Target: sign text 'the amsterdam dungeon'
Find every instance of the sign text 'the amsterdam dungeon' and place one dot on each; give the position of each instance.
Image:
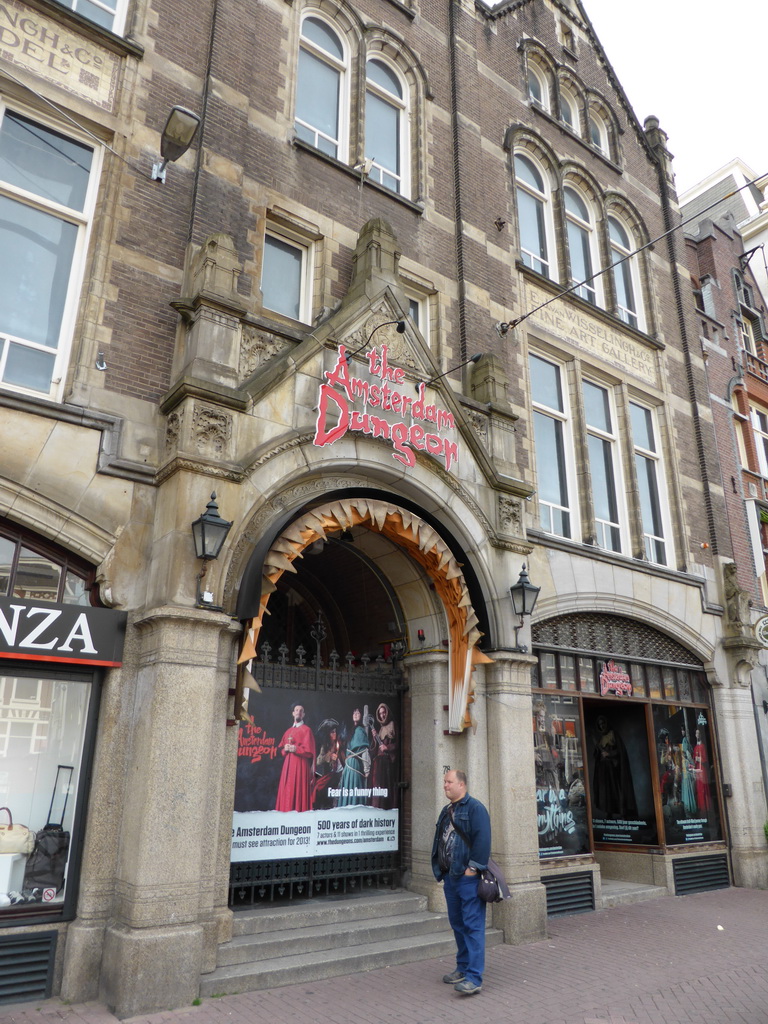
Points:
(426, 424)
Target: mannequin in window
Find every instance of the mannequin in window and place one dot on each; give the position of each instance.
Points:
(701, 767)
(613, 792)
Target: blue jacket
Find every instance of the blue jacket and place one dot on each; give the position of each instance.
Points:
(471, 817)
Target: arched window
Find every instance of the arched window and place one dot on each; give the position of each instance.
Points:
(31, 569)
(569, 110)
(537, 86)
(533, 213)
(581, 246)
(598, 133)
(626, 275)
(386, 125)
(321, 89)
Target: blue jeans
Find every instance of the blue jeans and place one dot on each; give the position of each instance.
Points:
(466, 913)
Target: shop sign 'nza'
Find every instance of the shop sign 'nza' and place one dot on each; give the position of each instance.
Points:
(424, 429)
(69, 633)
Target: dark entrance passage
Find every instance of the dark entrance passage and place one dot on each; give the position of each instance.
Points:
(319, 775)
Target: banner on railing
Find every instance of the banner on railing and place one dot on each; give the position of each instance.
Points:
(318, 774)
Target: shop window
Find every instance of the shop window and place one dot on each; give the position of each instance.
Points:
(386, 126)
(670, 684)
(534, 214)
(626, 275)
(638, 680)
(604, 466)
(653, 676)
(321, 91)
(109, 14)
(286, 277)
(551, 430)
(47, 195)
(687, 787)
(548, 671)
(582, 247)
(591, 749)
(587, 680)
(43, 725)
(650, 482)
(567, 672)
(560, 794)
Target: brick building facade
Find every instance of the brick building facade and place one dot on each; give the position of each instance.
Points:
(379, 192)
(731, 311)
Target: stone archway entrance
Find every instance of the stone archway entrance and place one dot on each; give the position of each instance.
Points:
(370, 582)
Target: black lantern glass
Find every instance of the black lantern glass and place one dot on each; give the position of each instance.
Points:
(210, 531)
(524, 596)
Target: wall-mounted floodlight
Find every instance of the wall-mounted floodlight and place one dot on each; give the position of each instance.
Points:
(179, 131)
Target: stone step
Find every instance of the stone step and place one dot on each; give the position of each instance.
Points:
(617, 893)
(269, 946)
(332, 962)
(326, 911)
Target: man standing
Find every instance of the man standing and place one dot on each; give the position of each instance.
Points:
(460, 851)
(298, 749)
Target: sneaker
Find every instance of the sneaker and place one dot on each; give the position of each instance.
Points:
(453, 978)
(15, 897)
(467, 988)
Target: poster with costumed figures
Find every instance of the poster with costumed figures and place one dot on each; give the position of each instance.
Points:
(317, 774)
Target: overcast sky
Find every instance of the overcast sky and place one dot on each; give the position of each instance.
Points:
(700, 67)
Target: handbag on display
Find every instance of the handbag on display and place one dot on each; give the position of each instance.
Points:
(492, 887)
(15, 838)
(47, 864)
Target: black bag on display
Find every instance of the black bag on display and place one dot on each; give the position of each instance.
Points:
(48, 861)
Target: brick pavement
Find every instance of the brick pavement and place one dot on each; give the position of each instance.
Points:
(665, 961)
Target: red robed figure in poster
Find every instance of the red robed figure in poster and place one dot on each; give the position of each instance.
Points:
(298, 749)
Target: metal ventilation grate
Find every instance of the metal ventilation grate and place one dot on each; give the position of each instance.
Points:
(611, 635)
(26, 966)
(570, 894)
(700, 874)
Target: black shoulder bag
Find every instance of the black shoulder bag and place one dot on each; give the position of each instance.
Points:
(492, 885)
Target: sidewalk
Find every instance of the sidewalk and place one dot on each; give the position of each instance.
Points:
(692, 960)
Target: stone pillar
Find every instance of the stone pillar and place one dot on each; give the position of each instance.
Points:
(169, 907)
(432, 753)
(513, 796)
(740, 766)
